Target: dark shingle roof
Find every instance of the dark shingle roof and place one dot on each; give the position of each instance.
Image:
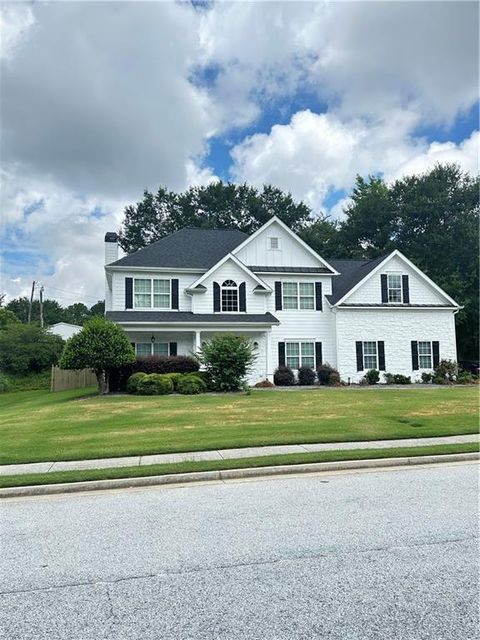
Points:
(187, 316)
(187, 249)
(389, 305)
(260, 269)
(351, 272)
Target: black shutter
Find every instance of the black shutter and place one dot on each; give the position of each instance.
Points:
(414, 355)
(359, 348)
(278, 296)
(318, 354)
(281, 354)
(436, 354)
(216, 296)
(406, 290)
(318, 296)
(383, 279)
(381, 355)
(128, 293)
(172, 348)
(174, 293)
(243, 297)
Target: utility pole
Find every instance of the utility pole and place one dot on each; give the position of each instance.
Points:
(31, 302)
(41, 306)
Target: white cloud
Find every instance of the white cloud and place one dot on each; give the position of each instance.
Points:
(15, 21)
(315, 154)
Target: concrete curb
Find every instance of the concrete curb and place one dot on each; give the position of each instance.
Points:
(233, 474)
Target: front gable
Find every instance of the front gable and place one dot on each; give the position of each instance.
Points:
(275, 245)
(415, 288)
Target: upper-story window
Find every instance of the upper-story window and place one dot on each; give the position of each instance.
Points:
(394, 284)
(274, 243)
(229, 296)
(298, 295)
(150, 293)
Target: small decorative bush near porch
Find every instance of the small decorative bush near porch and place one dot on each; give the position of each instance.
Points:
(427, 377)
(151, 364)
(227, 358)
(327, 374)
(134, 379)
(190, 384)
(397, 378)
(306, 376)
(447, 369)
(284, 377)
(372, 376)
(154, 384)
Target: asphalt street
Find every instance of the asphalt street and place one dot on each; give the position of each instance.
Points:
(348, 556)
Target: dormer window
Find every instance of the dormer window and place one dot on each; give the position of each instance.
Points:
(274, 243)
(229, 296)
(394, 283)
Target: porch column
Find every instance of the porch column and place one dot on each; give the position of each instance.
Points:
(198, 342)
(268, 357)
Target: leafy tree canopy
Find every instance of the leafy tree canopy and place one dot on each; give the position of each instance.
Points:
(101, 345)
(7, 317)
(28, 349)
(53, 312)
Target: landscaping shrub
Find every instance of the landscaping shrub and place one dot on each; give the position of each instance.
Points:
(227, 358)
(372, 376)
(191, 384)
(264, 384)
(463, 377)
(447, 369)
(206, 376)
(151, 364)
(325, 372)
(4, 383)
(134, 379)
(427, 377)
(174, 377)
(283, 377)
(334, 379)
(306, 376)
(389, 378)
(439, 380)
(154, 384)
(398, 378)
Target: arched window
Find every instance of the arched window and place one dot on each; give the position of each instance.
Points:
(229, 296)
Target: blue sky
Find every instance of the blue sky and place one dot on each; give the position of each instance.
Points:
(102, 100)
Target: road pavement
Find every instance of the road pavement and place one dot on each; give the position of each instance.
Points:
(348, 556)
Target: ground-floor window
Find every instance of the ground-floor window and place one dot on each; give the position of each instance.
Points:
(370, 355)
(425, 355)
(300, 354)
(151, 349)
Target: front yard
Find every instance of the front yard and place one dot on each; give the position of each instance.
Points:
(41, 426)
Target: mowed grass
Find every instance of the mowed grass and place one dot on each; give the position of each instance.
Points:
(70, 425)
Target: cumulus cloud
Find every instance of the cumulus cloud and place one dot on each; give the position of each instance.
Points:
(317, 154)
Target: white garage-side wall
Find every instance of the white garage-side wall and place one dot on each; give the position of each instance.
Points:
(396, 328)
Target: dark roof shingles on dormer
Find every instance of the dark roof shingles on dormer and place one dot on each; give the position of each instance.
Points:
(351, 273)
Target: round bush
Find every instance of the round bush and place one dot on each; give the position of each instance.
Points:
(174, 377)
(133, 381)
(283, 377)
(372, 376)
(325, 372)
(306, 376)
(334, 379)
(191, 384)
(154, 384)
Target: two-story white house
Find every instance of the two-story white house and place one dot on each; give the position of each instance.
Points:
(296, 307)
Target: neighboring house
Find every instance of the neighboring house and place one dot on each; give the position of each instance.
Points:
(297, 308)
(64, 329)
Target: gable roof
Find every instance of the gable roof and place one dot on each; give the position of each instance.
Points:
(301, 242)
(351, 273)
(188, 248)
(239, 264)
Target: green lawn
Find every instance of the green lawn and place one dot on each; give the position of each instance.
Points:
(239, 463)
(69, 425)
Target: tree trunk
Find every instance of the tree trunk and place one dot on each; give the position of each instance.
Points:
(102, 382)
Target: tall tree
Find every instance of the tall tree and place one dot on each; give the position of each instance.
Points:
(52, 310)
(218, 205)
(76, 313)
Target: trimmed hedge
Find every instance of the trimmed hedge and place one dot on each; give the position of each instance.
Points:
(306, 376)
(284, 377)
(191, 384)
(327, 374)
(134, 379)
(151, 364)
(154, 384)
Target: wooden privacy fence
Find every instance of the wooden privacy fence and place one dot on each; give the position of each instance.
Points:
(63, 379)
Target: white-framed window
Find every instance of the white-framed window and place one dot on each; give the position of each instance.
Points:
(394, 285)
(298, 295)
(151, 293)
(300, 354)
(425, 355)
(274, 243)
(229, 296)
(152, 349)
(370, 355)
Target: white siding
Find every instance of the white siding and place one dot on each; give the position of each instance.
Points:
(203, 302)
(118, 286)
(185, 340)
(290, 254)
(397, 328)
(420, 291)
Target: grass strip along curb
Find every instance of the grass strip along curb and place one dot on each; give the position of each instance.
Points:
(35, 479)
